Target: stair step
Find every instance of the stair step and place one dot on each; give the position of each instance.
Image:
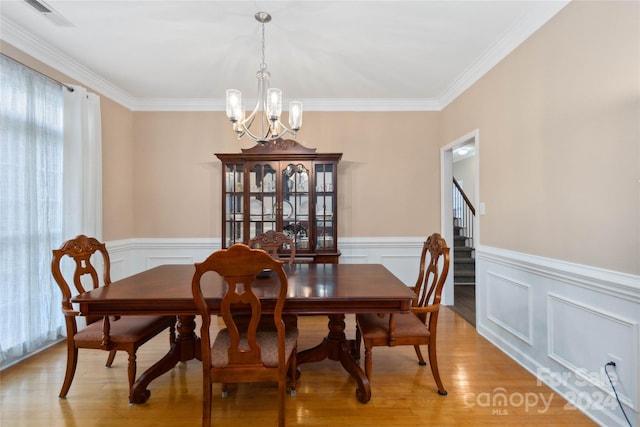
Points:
(465, 266)
(464, 280)
(463, 248)
(462, 252)
(464, 274)
(464, 263)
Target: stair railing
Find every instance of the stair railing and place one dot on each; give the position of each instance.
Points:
(463, 212)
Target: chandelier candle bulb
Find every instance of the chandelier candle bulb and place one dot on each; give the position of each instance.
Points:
(274, 104)
(234, 104)
(295, 115)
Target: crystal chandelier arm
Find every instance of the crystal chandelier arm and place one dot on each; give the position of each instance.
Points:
(269, 135)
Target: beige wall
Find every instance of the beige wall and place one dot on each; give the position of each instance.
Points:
(176, 178)
(117, 171)
(389, 173)
(388, 178)
(559, 139)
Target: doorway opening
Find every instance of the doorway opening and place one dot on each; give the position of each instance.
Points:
(460, 195)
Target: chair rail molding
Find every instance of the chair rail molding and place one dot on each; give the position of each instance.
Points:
(401, 255)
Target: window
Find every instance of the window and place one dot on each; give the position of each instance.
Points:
(31, 159)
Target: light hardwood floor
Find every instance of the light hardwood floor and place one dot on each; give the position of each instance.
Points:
(403, 393)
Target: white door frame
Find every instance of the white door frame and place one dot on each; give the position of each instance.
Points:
(446, 200)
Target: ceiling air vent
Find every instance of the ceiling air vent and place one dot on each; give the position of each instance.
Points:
(49, 13)
(40, 7)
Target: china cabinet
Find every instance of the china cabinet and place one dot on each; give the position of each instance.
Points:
(282, 186)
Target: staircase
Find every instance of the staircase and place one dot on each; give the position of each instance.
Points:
(464, 263)
(464, 266)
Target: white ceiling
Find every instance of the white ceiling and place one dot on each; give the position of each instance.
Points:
(332, 55)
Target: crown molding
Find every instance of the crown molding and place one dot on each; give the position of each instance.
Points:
(35, 47)
(370, 104)
(520, 31)
(174, 104)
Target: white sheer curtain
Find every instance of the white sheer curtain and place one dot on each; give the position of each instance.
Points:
(50, 191)
(31, 147)
(82, 164)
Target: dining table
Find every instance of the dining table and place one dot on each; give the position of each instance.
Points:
(313, 289)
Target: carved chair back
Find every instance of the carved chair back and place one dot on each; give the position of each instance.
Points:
(241, 352)
(273, 242)
(434, 268)
(85, 252)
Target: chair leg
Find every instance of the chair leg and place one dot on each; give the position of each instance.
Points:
(421, 361)
(368, 360)
(282, 388)
(225, 390)
(206, 403)
(132, 370)
(112, 356)
(72, 362)
(293, 371)
(433, 361)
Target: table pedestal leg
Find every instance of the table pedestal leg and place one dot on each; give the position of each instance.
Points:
(185, 347)
(336, 347)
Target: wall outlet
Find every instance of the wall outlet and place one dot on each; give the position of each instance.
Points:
(615, 359)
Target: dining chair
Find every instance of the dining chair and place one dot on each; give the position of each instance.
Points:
(417, 327)
(251, 354)
(273, 242)
(112, 334)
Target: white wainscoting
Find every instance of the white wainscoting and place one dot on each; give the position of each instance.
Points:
(563, 322)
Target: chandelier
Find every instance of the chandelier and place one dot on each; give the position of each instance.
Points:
(266, 113)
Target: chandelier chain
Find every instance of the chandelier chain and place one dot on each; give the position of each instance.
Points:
(263, 65)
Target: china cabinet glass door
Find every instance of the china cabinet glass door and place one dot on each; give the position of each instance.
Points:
(234, 203)
(295, 203)
(262, 198)
(325, 206)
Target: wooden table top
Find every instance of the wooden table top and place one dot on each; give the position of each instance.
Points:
(313, 289)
